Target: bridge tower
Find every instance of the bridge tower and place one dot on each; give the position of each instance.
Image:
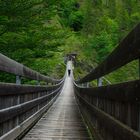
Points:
(71, 57)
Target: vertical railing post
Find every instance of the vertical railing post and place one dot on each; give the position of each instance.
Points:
(18, 82)
(139, 68)
(87, 84)
(99, 82)
(38, 83)
(139, 105)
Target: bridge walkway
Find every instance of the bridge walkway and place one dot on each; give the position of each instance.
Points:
(63, 121)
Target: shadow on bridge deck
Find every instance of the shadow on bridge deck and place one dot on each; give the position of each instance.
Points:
(63, 120)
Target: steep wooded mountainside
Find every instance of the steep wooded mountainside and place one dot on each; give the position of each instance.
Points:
(39, 33)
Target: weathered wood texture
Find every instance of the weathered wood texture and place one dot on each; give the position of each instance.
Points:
(19, 102)
(63, 121)
(127, 50)
(12, 89)
(114, 110)
(11, 66)
(122, 92)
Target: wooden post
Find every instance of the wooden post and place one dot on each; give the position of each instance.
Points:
(139, 119)
(38, 83)
(88, 85)
(18, 80)
(99, 82)
(139, 67)
(139, 105)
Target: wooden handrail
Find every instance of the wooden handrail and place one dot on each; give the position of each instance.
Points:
(127, 51)
(13, 67)
(13, 89)
(8, 113)
(112, 107)
(124, 92)
(20, 102)
(111, 125)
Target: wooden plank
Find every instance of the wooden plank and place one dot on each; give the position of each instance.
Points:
(11, 66)
(9, 113)
(120, 130)
(63, 120)
(127, 92)
(24, 126)
(13, 89)
(127, 51)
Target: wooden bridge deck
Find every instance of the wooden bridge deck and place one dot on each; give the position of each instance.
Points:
(63, 121)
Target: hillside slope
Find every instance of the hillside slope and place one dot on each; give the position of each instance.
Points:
(39, 33)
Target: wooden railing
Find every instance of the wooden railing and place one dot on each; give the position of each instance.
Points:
(127, 51)
(22, 105)
(113, 112)
(11, 66)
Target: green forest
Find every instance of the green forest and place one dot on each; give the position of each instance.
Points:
(39, 33)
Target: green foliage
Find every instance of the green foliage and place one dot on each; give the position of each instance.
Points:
(28, 34)
(101, 44)
(76, 20)
(105, 24)
(70, 14)
(38, 33)
(127, 73)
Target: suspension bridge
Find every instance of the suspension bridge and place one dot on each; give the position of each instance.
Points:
(66, 109)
